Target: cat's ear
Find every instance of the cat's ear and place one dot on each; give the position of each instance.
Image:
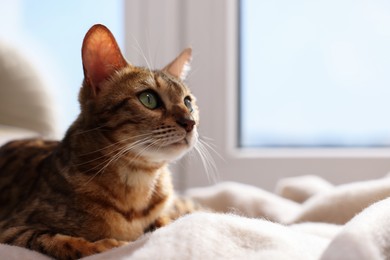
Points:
(180, 67)
(101, 56)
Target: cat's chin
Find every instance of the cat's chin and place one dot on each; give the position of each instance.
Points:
(171, 152)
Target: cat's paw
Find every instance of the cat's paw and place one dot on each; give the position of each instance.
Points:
(75, 248)
(100, 246)
(162, 221)
(106, 244)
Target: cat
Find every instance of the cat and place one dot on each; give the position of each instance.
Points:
(107, 181)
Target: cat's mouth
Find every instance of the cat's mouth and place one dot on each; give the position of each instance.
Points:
(184, 141)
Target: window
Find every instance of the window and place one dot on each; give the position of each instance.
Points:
(161, 29)
(314, 73)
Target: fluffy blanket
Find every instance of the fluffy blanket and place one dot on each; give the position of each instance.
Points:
(306, 218)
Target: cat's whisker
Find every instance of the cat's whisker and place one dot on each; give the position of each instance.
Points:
(115, 157)
(148, 47)
(142, 54)
(135, 145)
(128, 149)
(88, 130)
(100, 157)
(212, 173)
(135, 158)
(157, 148)
(206, 138)
(116, 143)
(207, 161)
(102, 163)
(116, 151)
(98, 172)
(157, 50)
(97, 158)
(211, 146)
(140, 153)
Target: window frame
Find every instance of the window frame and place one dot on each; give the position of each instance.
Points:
(215, 82)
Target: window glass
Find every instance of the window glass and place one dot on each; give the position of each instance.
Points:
(314, 73)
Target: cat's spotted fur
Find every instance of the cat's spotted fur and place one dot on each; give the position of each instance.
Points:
(107, 181)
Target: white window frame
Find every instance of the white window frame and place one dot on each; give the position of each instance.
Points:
(211, 28)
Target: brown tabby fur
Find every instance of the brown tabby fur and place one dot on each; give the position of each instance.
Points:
(107, 181)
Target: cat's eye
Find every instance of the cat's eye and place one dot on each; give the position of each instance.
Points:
(187, 102)
(149, 99)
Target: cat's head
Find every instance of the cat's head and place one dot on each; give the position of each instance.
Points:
(151, 113)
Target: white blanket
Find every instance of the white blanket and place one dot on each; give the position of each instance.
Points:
(306, 218)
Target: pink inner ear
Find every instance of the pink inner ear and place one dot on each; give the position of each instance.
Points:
(180, 66)
(101, 56)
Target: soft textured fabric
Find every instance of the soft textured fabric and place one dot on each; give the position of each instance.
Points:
(301, 188)
(362, 210)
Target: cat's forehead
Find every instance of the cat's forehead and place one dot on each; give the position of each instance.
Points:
(159, 81)
(169, 85)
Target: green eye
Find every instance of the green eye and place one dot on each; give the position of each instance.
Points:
(148, 99)
(187, 102)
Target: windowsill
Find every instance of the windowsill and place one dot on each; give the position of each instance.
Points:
(326, 153)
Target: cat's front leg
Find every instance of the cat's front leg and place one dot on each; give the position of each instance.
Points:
(54, 244)
(180, 207)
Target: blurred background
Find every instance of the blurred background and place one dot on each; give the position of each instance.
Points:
(50, 35)
(285, 88)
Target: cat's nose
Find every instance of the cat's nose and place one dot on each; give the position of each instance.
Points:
(186, 123)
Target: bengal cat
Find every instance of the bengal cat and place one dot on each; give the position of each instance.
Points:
(107, 181)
